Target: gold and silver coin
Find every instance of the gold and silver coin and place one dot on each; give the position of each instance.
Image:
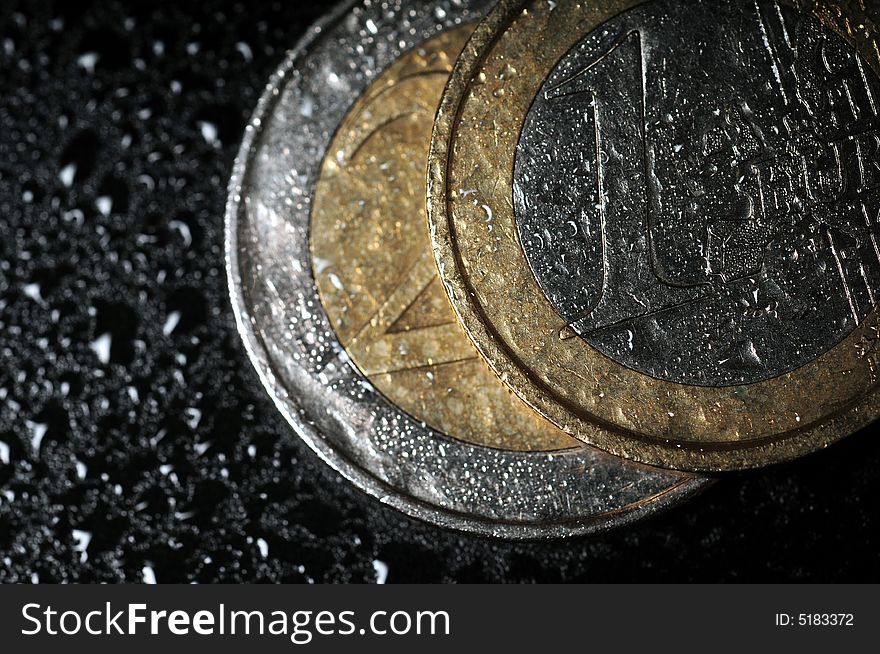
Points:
(345, 318)
(658, 220)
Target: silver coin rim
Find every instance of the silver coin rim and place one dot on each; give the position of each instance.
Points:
(360, 477)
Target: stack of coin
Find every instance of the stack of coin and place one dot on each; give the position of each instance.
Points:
(656, 222)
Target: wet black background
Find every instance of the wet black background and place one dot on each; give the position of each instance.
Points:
(183, 461)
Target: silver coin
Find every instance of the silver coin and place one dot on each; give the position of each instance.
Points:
(289, 339)
(696, 190)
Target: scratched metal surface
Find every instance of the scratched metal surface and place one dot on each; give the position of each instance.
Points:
(727, 232)
(234, 496)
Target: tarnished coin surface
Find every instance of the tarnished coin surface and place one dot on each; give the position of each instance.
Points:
(375, 271)
(659, 220)
(342, 312)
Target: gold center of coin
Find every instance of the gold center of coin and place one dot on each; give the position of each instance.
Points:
(376, 275)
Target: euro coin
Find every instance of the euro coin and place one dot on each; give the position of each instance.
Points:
(344, 316)
(658, 220)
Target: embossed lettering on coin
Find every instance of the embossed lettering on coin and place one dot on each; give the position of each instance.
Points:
(697, 190)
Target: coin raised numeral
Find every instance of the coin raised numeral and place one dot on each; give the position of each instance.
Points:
(633, 284)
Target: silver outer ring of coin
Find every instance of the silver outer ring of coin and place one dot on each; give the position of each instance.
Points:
(290, 342)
